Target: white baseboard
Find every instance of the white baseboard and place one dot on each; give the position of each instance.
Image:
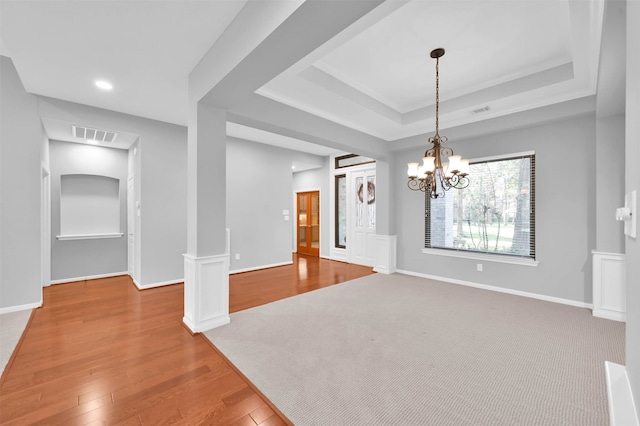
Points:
(18, 308)
(501, 289)
(622, 410)
(158, 284)
(255, 268)
(90, 277)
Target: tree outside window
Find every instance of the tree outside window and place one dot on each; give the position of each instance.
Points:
(494, 214)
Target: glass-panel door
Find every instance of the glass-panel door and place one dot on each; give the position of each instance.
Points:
(363, 223)
(308, 217)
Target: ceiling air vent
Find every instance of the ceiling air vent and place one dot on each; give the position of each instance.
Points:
(93, 134)
(479, 110)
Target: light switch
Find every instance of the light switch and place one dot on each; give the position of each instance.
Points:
(285, 213)
(628, 214)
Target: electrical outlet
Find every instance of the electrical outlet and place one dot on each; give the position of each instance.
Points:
(237, 256)
(479, 267)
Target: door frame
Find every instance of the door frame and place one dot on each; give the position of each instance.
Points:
(45, 223)
(295, 217)
(364, 172)
(335, 253)
(131, 225)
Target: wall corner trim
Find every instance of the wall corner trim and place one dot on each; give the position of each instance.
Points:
(622, 410)
(18, 308)
(87, 278)
(256, 268)
(157, 284)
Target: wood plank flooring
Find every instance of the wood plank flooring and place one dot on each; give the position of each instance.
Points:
(104, 352)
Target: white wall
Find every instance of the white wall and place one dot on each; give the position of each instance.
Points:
(21, 152)
(74, 259)
(632, 182)
(565, 212)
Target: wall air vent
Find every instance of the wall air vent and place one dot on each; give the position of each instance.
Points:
(93, 135)
(479, 110)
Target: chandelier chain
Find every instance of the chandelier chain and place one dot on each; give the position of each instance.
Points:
(437, 95)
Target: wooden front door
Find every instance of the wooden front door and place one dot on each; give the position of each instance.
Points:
(308, 223)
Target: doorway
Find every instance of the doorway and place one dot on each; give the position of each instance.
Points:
(362, 223)
(45, 223)
(308, 222)
(131, 226)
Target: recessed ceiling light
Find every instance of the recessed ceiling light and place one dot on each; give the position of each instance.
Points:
(104, 85)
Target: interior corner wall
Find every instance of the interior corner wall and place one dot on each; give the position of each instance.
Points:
(76, 259)
(259, 182)
(317, 179)
(134, 167)
(163, 202)
(21, 139)
(609, 170)
(565, 212)
(163, 184)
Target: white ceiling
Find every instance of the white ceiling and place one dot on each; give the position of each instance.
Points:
(376, 77)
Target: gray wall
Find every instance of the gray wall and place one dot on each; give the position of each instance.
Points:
(565, 212)
(609, 168)
(21, 137)
(84, 258)
(162, 181)
(317, 179)
(259, 188)
(632, 182)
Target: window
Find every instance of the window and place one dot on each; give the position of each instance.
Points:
(495, 214)
(352, 160)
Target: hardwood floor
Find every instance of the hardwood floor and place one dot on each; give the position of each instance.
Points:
(104, 352)
(307, 273)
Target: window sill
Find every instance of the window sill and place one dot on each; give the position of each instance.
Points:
(89, 236)
(482, 256)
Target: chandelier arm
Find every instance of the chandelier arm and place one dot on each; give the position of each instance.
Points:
(437, 95)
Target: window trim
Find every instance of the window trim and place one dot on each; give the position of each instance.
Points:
(491, 257)
(488, 257)
(336, 237)
(344, 157)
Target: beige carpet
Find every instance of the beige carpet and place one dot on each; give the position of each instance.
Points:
(401, 350)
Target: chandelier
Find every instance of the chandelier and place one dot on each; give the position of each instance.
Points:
(433, 176)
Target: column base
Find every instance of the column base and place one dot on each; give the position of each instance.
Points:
(206, 292)
(385, 260)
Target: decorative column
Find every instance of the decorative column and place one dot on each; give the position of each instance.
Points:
(385, 242)
(206, 263)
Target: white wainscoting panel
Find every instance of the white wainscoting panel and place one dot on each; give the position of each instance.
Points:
(206, 292)
(385, 256)
(609, 281)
